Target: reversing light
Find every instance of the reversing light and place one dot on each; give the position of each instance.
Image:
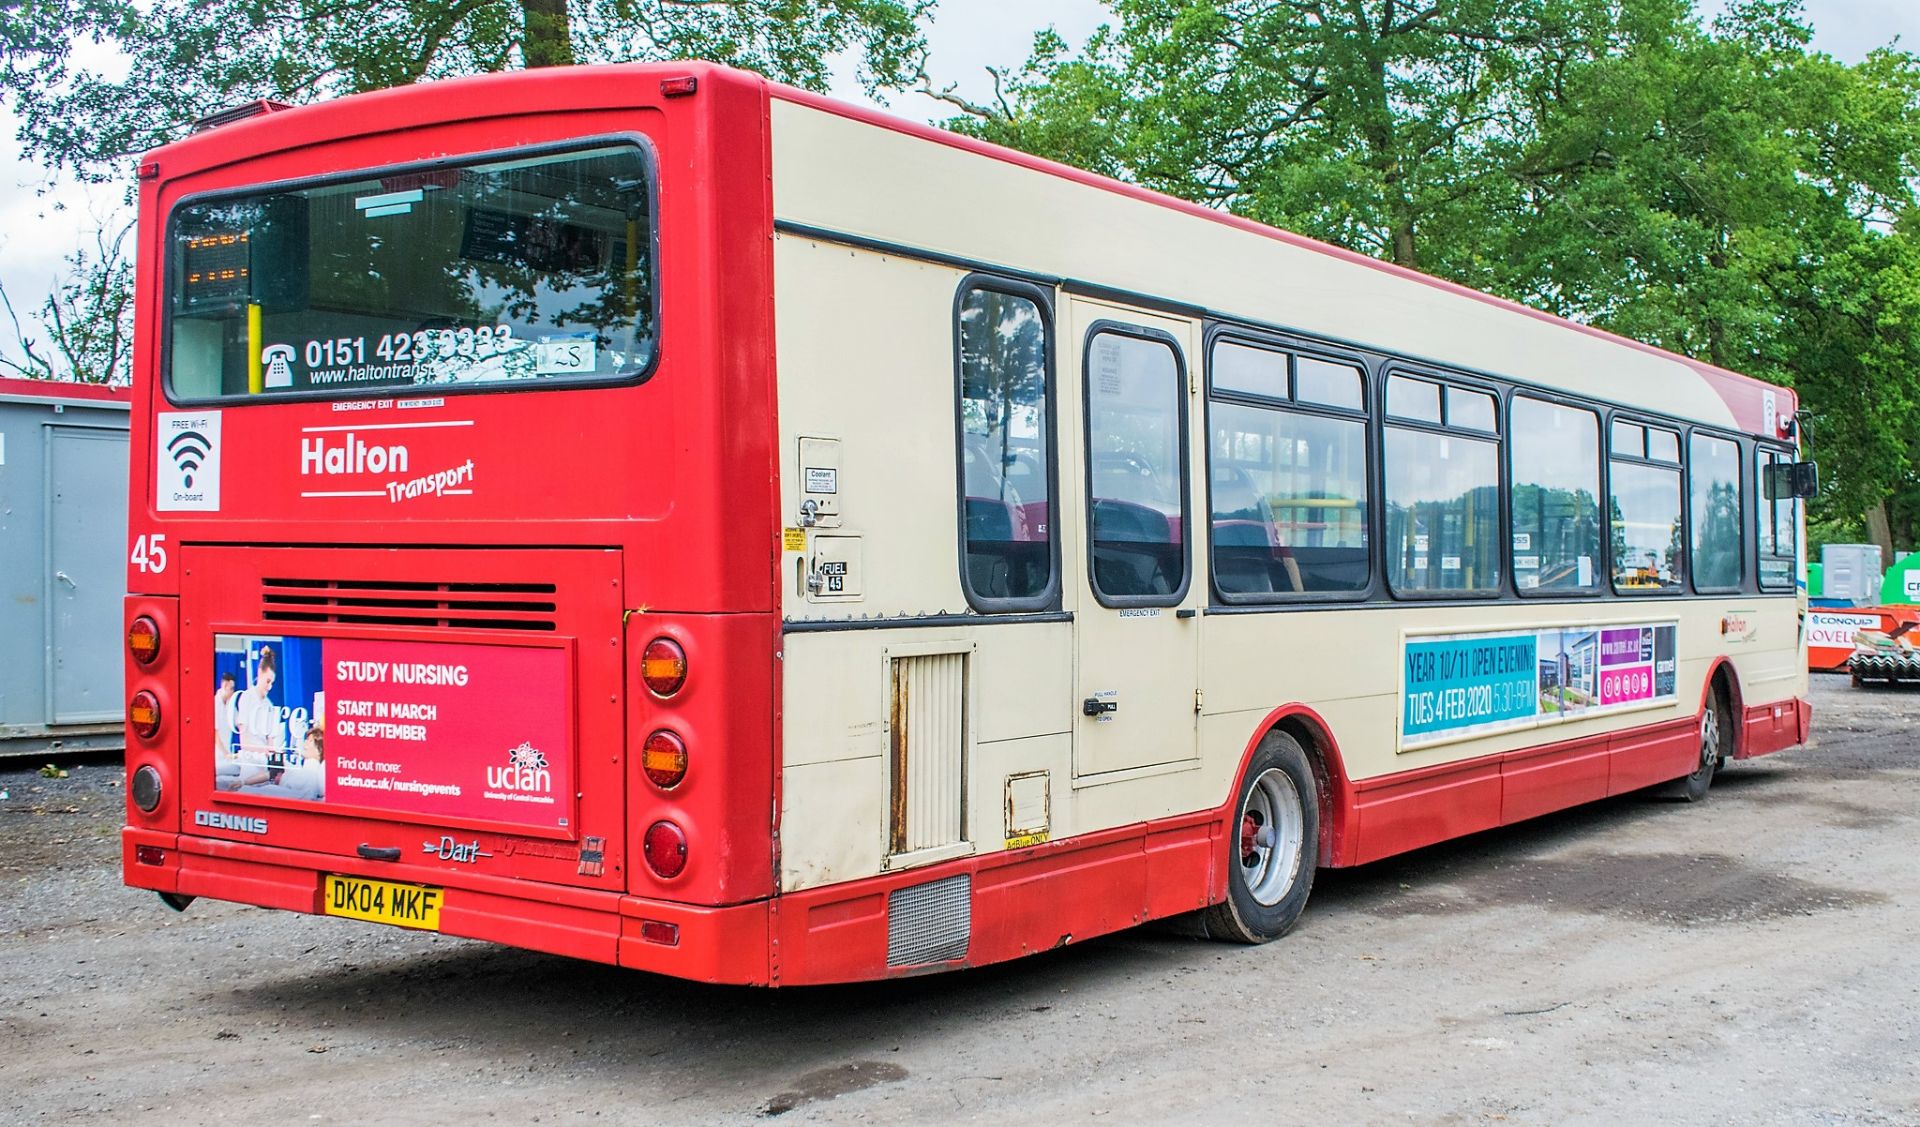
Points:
(663, 666)
(143, 640)
(143, 714)
(665, 848)
(664, 759)
(145, 789)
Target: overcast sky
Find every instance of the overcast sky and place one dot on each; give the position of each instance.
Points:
(43, 219)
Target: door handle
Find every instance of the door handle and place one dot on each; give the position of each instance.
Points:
(1094, 706)
(67, 579)
(379, 852)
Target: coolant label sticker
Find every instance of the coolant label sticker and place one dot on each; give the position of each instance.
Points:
(187, 473)
(424, 729)
(1460, 685)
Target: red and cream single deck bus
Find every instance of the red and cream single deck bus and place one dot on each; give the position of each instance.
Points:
(654, 516)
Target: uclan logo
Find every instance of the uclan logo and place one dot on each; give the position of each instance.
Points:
(525, 770)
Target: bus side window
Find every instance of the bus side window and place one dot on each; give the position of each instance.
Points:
(1442, 489)
(1287, 466)
(1645, 509)
(1556, 497)
(1135, 454)
(1713, 473)
(1006, 449)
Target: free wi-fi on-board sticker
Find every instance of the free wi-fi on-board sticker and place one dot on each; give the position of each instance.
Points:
(187, 477)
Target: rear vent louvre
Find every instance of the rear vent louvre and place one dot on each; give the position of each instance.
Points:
(483, 606)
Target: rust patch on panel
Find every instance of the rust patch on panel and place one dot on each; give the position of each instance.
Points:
(897, 713)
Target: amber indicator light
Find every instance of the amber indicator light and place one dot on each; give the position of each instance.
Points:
(143, 714)
(143, 640)
(664, 759)
(663, 666)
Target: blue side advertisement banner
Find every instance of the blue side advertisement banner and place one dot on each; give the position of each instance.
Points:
(1460, 685)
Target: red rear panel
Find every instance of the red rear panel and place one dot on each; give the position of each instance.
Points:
(469, 706)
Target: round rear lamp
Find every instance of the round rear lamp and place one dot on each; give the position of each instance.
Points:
(145, 789)
(663, 666)
(143, 714)
(664, 759)
(143, 640)
(665, 848)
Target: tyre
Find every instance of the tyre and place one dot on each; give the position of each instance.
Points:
(1716, 731)
(1274, 846)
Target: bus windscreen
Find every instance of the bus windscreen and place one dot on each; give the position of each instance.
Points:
(533, 268)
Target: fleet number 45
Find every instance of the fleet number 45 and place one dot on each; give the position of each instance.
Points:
(150, 553)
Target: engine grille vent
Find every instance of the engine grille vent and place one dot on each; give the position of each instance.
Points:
(930, 923)
(488, 606)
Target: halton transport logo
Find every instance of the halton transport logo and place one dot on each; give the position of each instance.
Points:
(524, 774)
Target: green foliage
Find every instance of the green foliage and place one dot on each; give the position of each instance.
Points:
(188, 58)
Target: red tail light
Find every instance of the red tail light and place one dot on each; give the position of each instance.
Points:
(665, 848)
(143, 640)
(143, 714)
(664, 758)
(149, 855)
(663, 666)
(145, 788)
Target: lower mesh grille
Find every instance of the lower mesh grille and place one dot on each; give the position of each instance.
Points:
(929, 923)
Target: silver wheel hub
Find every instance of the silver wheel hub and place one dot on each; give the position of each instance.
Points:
(1710, 738)
(1272, 837)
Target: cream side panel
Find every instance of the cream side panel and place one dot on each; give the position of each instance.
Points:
(836, 767)
(901, 189)
(865, 349)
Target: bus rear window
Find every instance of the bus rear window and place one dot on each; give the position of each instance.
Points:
(533, 269)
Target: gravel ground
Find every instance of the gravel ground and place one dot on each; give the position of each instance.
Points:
(1750, 960)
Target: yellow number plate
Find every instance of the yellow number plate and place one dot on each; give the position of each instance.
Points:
(383, 902)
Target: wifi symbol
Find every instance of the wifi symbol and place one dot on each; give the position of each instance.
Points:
(189, 450)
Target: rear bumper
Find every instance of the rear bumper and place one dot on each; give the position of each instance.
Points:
(713, 944)
(1020, 902)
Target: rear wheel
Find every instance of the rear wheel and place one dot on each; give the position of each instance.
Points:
(1274, 848)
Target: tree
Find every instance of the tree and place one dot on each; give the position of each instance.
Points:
(188, 58)
(1369, 123)
(85, 324)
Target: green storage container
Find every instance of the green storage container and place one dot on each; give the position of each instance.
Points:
(1902, 585)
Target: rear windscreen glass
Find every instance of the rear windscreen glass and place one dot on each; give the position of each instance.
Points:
(531, 269)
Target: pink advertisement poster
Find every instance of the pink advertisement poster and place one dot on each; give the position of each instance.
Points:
(1626, 665)
(425, 729)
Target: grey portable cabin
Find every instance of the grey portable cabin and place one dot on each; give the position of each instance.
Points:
(63, 566)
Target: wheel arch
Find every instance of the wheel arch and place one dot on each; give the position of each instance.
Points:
(1338, 820)
(1725, 676)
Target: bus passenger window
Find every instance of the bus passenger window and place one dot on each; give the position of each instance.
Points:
(1005, 450)
(1135, 453)
(1644, 513)
(1288, 485)
(1443, 494)
(1556, 497)
(1714, 474)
